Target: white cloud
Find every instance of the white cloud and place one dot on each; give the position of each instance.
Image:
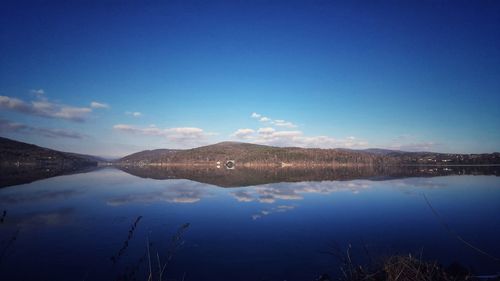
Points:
(275, 122)
(134, 113)
(283, 123)
(96, 105)
(44, 108)
(186, 133)
(329, 142)
(243, 133)
(52, 110)
(266, 131)
(296, 138)
(7, 126)
(182, 135)
(286, 134)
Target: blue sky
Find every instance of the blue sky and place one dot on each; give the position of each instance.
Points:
(411, 75)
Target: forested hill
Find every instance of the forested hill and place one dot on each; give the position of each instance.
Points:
(16, 153)
(256, 155)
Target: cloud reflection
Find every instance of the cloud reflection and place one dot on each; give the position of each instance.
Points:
(60, 216)
(38, 196)
(278, 209)
(294, 191)
(184, 192)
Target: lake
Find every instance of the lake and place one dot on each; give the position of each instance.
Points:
(244, 225)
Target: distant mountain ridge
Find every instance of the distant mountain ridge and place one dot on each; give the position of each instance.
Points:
(24, 154)
(248, 154)
(22, 163)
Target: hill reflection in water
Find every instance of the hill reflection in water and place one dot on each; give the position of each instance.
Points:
(243, 176)
(273, 225)
(249, 176)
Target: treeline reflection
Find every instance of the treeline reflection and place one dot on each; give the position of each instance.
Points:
(252, 176)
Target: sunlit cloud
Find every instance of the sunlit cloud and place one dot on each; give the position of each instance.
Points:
(44, 108)
(7, 126)
(273, 122)
(275, 134)
(283, 123)
(243, 133)
(182, 135)
(296, 138)
(266, 131)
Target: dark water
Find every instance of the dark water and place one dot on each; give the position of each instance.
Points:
(95, 225)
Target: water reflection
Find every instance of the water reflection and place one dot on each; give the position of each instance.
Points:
(270, 193)
(277, 209)
(38, 195)
(272, 225)
(60, 216)
(249, 177)
(242, 176)
(12, 175)
(179, 191)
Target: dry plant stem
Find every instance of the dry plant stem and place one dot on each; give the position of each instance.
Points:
(149, 259)
(453, 233)
(159, 266)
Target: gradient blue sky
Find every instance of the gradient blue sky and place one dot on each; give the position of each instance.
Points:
(412, 75)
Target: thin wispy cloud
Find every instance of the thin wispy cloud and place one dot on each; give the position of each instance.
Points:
(283, 123)
(269, 211)
(412, 143)
(274, 122)
(44, 108)
(97, 105)
(136, 114)
(38, 93)
(182, 135)
(7, 126)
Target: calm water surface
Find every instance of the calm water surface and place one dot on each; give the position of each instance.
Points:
(81, 226)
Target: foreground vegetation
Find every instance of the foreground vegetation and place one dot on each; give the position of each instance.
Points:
(405, 268)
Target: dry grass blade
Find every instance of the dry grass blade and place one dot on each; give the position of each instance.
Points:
(454, 234)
